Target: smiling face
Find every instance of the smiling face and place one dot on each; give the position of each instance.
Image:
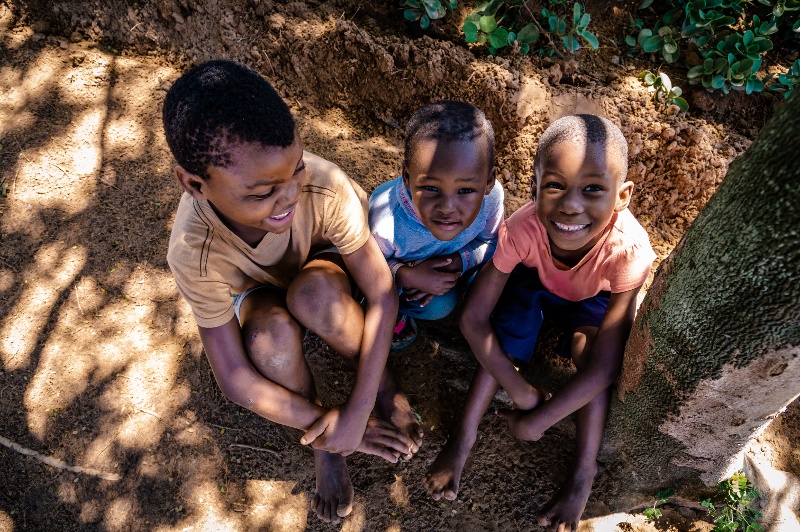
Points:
(579, 187)
(448, 180)
(255, 195)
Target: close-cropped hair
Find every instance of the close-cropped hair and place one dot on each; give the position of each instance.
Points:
(448, 121)
(584, 129)
(218, 104)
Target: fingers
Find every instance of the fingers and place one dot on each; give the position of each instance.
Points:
(379, 451)
(314, 431)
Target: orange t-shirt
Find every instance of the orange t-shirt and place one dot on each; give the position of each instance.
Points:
(620, 261)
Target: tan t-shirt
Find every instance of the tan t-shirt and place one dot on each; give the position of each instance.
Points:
(210, 263)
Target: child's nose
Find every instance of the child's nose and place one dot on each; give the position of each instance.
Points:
(446, 205)
(571, 202)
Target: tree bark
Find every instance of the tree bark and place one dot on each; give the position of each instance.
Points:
(713, 354)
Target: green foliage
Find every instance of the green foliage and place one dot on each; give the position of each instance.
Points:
(500, 24)
(427, 10)
(661, 87)
(652, 514)
(735, 513)
(730, 41)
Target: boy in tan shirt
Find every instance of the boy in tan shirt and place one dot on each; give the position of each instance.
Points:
(270, 241)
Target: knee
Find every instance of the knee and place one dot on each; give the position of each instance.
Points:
(582, 339)
(317, 301)
(273, 342)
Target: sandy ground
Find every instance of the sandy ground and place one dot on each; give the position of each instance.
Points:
(101, 366)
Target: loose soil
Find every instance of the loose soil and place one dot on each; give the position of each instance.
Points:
(101, 364)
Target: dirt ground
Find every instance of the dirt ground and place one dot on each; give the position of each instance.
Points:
(102, 367)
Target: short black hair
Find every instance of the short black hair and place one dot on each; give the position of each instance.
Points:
(220, 103)
(448, 121)
(584, 129)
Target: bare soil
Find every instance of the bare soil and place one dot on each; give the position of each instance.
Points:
(102, 367)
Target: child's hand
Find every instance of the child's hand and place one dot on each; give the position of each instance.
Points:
(532, 398)
(521, 424)
(336, 432)
(384, 439)
(412, 294)
(428, 276)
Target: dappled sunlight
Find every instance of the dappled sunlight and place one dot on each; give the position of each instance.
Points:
(118, 513)
(56, 268)
(273, 507)
(19, 91)
(209, 512)
(357, 520)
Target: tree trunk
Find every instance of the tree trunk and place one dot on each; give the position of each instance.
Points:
(713, 354)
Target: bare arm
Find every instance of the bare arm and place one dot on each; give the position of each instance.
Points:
(341, 427)
(244, 385)
(600, 371)
(477, 329)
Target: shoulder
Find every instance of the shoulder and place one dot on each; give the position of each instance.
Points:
(629, 233)
(323, 175)
(525, 216)
(385, 193)
(190, 230)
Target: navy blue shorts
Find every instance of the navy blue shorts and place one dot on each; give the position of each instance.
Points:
(525, 303)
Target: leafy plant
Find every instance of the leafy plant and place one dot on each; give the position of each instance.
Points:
(427, 10)
(731, 41)
(510, 23)
(652, 514)
(787, 82)
(736, 511)
(661, 87)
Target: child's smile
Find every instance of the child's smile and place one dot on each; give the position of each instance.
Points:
(448, 181)
(577, 194)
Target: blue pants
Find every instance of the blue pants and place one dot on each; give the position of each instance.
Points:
(525, 302)
(439, 306)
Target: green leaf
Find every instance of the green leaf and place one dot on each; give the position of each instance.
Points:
(434, 8)
(649, 78)
(630, 41)
(552, 20)
(653, 44)
(470, 32)
(643, 35)
(411, 14)
(424, 22)
(412, 3)
(670, 47)
(590, 39)
(528, 34)
(524, 49)
(488, 23)
(570, 42)
(576, 14)
(748, 37)
(753, 85)
(511, 37)
(681, 103)
(695, 72)
(666, 81)
(499, 38)
(585, 20)
(717, 81)
(644, 4)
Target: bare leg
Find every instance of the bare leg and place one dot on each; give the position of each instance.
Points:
(444, 474)
(274, 343)
(564, 510)
(321, 298)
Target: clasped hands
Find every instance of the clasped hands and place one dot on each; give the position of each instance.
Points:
(344, 432)
(431, 277)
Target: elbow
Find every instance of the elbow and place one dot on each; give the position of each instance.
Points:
(235, 389)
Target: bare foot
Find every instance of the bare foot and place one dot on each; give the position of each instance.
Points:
(563, 512)
(334, 497)
(392, 405)
(444, 474)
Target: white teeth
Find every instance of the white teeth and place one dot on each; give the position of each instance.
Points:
(567, 227)
(280, 216)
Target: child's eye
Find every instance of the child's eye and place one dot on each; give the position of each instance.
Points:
(556, 186)
(593, 188)
(466, 190)
(429, 188)
(258, 197)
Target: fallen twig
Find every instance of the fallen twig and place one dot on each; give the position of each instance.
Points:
(243, 446)
(55, 462)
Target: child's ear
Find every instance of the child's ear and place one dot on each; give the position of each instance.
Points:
(191, 183)
(491, 180)
(624, 197)
(405, 177)
(533, 187)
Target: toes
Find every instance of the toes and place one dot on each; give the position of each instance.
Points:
(450, 495)
(344, 508)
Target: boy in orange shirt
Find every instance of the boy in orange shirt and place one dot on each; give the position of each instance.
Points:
(575, 253)
(270, 241)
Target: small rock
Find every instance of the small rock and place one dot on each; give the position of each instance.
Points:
(64, 44)
(41, 26)
(76, 37)
(615, 59)
(178, 18)
(702, 100)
